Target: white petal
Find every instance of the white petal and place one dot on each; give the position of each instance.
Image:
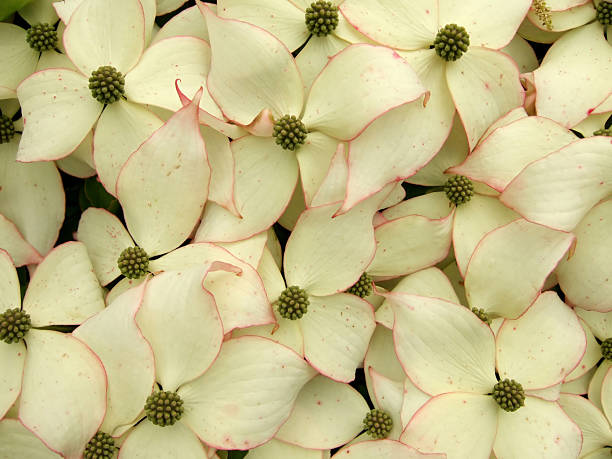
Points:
(485, 85)
(14, 243)
(443, 347)
(38, 11)
(333, 186)
(414, 399)
(337, 330)
(164, 184)
(559, 190)
(315, 55)
(502, 288)
(261, 74)
(332, 411)
(381, 358)
(275, 449)
(579, 386)
(542, 346)
(591, 356)
(188, 22)
(440, 426)
(9, 283)
(595, 427)
(600, 323)
(314, 158)
(127, 358)
(368, 91)
(237, 389)
(58, 111)
(63, 396)
(594, 390)
(539, 428)
(16, 439)
(19, 60)
(521, 51)
(606, 395)
(12, 357)
(383, 448)
(80, 162)
(389, 397)
(148, 441)
(110, 33)
(248, 250)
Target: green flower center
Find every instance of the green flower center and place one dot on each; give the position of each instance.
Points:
(378, 424)
(459, 189)
(482, 315)
(606, 349)
(293, 303)
(14, 324)
(101, 446)
(42, 37)
(7, 129)
(289, 132)
(133, 262)
(604, 13)
(451, 42)
(321, 18)
(164, 408)
(363, 287)
(106, 84)
(604, 131)
(542, 11)
(509, 395)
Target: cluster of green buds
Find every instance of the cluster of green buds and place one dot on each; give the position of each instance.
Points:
(7, 129)
(164, 408)
(542, 11)
(14, 324)
(133, 262)
(321, 18)
(293, 303)
(482, 315)
(106, 84)
(604, 13)
(603, 131)
(509, 395)
(42, 37)
(289, 132)
(101, 446)
(363, 287)
(451, 42)
(459, 189)
(606, 348)
(378, 424)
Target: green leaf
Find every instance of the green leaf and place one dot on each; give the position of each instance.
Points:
(8, 7)
(96, 196)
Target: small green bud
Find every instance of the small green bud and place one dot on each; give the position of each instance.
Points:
(7, 129)
(42, 37)
(482, 315)
(289, 132)
(604, 13)
(459, 189)
(101, 446)
(451, 42)
(363, 287)
(293, 303)
(606, 349)
(321, 18)
(378, 424)
(14, 324)
(106, 84)
(133, 262)
(509, 395)
(604, 131)
(164, 408)
(542, 11)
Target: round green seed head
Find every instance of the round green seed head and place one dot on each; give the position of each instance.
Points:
(164, 408)
(604, 131)
(604, 13)
(606, 349)
(321, 18)
(7, 129)
(101, 446)
(133, 262)
(509, 395)
(482, 315)
(451, 42)
(363, 287)
(459, 189)
(289, 132)
(293, 303)
(378, 424)
(106, 84)
(14, 324)
(42, 37)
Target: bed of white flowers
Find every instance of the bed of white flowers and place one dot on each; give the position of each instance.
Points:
(290, 229)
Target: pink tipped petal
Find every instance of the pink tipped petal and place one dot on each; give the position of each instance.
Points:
(236, 389)
(368, 91)
(127, 358)
(389, 397)
(261, 74)
(383, 448)
(441, 426)
(58, 111)
(314, 158)
(485, 85)
(240, 296)
(600, 323)
(14, 243)
(64, 289)
(538, 429)
(596, 432)
(150, 441)
(337, 330)
(164, 184)
(442, 346)
(414, 399)
(265, 173)
(248, 250)
(591, 356)
(316, 54)
(333, 187)
(503, 288)
(585, 277)
(473, 221)
(12, 357)
(105, 238)
(121, 129)
(9, 283)
(541, 347)
(63, 397)
(185, 338)
(571, 81)
(332, 411)
(16, 439)
(19, 60)
(559, 190)
(109, 33)
(504, 153)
